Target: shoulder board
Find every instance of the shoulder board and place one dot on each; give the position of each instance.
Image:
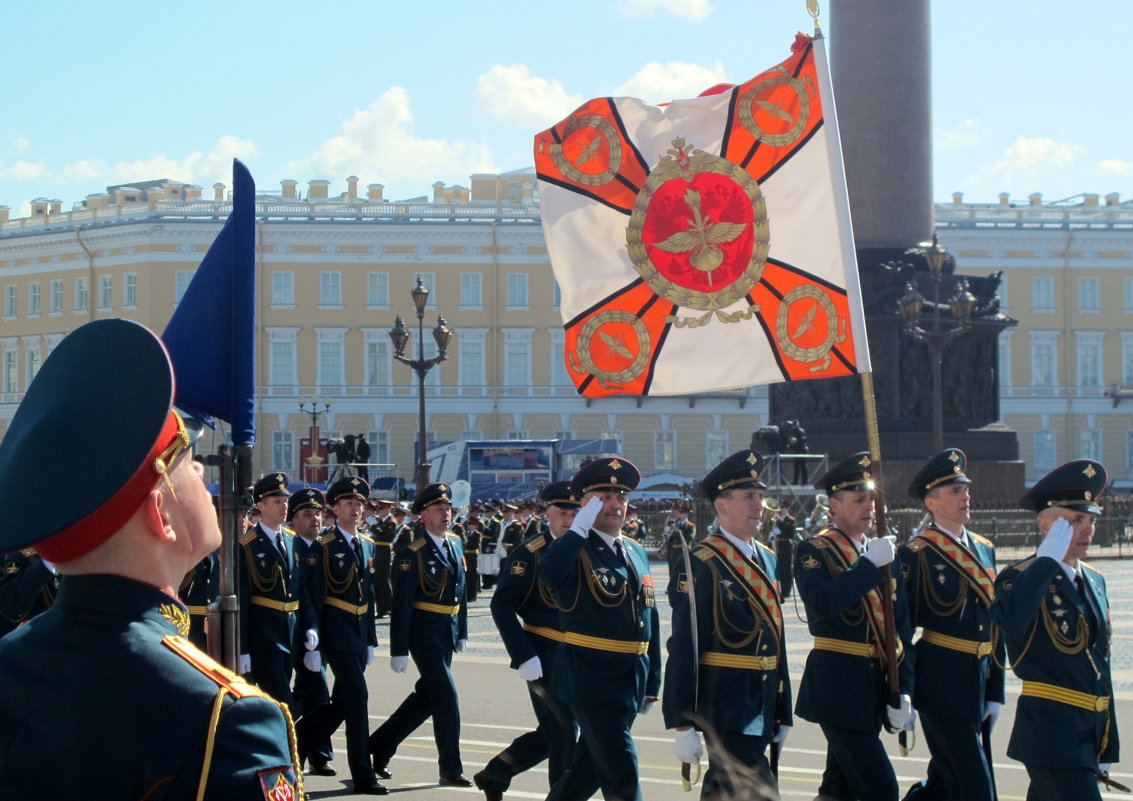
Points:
(981, 540)
(450, 535)
(325, 537)
(251, 535)
(288, 532)
(1089, 567)
(368, 538)
(819, 541)
(535, 544)
(417, 544)
(223, 677)
(916, 544)
(1024, 564)
(769, 550)
(29, 553)
(702, 553)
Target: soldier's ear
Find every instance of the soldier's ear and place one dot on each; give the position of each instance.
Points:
(154, 514)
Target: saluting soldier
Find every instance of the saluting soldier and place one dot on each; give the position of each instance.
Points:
(1053, 612)
(527, 617)
(271, 579)
(609, 667)
(838, 577)
(950, 577)
(340, 586)
(429, 622)
(730, 679)
(28, 586)
(106, 675)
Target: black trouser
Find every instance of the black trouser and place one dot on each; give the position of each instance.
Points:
(384, 590)
(552, 740)
(857, 767)
(310, 692)
(434, 695)
(741, 770)
(603, 759)
(348, 703)
(471, 577)
(1077, 784)
(958, 767)
(272, 671)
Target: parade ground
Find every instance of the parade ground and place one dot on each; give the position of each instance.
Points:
(495, 709)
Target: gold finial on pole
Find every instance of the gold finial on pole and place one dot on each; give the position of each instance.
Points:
(812, 9)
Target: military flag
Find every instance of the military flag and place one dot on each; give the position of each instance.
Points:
(706, 244)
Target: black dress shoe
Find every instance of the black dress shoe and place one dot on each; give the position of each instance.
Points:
(490, 794)
(323, 769)
(371, 787)
(455, 780)
(382, 770)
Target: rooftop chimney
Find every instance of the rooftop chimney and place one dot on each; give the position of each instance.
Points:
(218, 191)
(374, 191)
(957, 198)
(56, 207)
(352, 188)
(4, 212)
(317, 189)
(1036, 198)
(287, 189)
(1003, 199)
(1113, 198)
(1090, 199)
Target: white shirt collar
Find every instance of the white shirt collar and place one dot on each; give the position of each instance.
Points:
(271, 532)
(606, 538)
(438, 541)
(346, 536)
(746, 548)
(961, 538)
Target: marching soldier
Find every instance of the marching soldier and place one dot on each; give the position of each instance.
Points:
(609, 667)
(1053, 612)
(730, 679)
(383, 533)
(679, 526)
(949, 573)
(340, 586)
(28, 587)
(632, 527)
(527, 616)
(473, 532)
(429, 622)
(147, 713)
(838, 577)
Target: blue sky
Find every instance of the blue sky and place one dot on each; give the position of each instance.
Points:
(1026, 97)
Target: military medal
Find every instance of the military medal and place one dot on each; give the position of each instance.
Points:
(1057, 599)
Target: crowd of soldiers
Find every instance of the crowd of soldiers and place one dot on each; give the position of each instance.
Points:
(107, 596)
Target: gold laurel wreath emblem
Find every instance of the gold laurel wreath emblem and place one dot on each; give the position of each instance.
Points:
(176, 616)
(583, 362)
(819, 355)
(802, 87)
(606, 131)
(685, 163)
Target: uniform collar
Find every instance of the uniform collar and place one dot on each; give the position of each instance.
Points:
(746, 548)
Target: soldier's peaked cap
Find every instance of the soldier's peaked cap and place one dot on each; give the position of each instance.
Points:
(608, 474)
(741, 469)
(947, 467)
(433, 493)
(106, 392)
(852, 473)
(351, 487)
(1075, 486)
(273, 485)
(559, 494)
(309, 498)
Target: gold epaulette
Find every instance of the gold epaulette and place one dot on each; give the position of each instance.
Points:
(819, 541)
(981, 540)
(1023, 565)
(251, 535)
(702, 553)
(916, 544)
(368, 538)
(535, 545)
(325, 537)
(1089, 567)
(417, 544)
(204, 663)
(29, 553)
(288, 530)
(454, 536)
(765, 547)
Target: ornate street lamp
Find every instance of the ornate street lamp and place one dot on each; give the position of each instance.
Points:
(932, 330)
(314, 461)
(399, 335)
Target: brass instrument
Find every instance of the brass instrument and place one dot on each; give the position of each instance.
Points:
(767, 522)
(820, 516)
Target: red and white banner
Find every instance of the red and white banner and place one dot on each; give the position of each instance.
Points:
(705, 245)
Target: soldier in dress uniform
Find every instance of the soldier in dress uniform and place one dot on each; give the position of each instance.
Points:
(110, 656)
(304, 517)
(28, 586)
(679, 525)
(838, 577)
(383, 532)
(609, 667)
(429, 622)
(949, 573)
(527, 617)
(473, 534)
(340, 588)
(731, 679)
(632, 527)
(1052, 610)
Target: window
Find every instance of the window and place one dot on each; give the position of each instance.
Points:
(330, 363)
(612, 435)
(1005, 379)
(56, 296)
(556, 295)
(282, 451)
(1127, 357)
(379, 447)
(471, 290)
(11, 302)
(715, 447)
(1042, 294)
(1129, 454)
(1089, 301)
(560, 376)
(105, 291)
(130, 290)
(378, 364)
(1091, 444)
(283, 288)
(1045, 452)
(377, 290)
(330, 289)
(433, 377)
(1127, 295)
(664, 450)
(517, 290)
(281, 363)
(1044, 358)
(33, 362)
(469, 434)
(183, 279)
(564, 434)
(472, 362)
(518, 433)
(33, 297)
(1004, 295)
(11, 370)
(1089, 358)
(517, 363)
(82, 296)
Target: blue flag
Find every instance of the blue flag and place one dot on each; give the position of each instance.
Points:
(211, 336)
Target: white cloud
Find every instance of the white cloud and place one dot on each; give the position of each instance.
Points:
(1026, 155)
(85, 170)
(966, 133)
(24, 170)
(21, 144)
(658, 82)
(689, 9)
(511, 94)
(195, 168)
(380, 141)
(1116, 167)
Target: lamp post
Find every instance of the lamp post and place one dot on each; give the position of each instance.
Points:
(314, 460)
(399, 335)
(932, 330)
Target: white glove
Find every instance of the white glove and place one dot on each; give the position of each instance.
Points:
(991, 714)
(780, 735)
(312, 639)
(245, 665)
(1057, 540)
(687, 745)
(313, 661)
(1104, 768)
(647, 707)
(911, 723)
(398, 664)
(881, 550)
(899, 717)
(586, 517)
(461, 646)
(369, 654)
(531, 669)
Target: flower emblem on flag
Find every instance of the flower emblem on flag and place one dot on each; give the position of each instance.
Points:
(704, 245)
